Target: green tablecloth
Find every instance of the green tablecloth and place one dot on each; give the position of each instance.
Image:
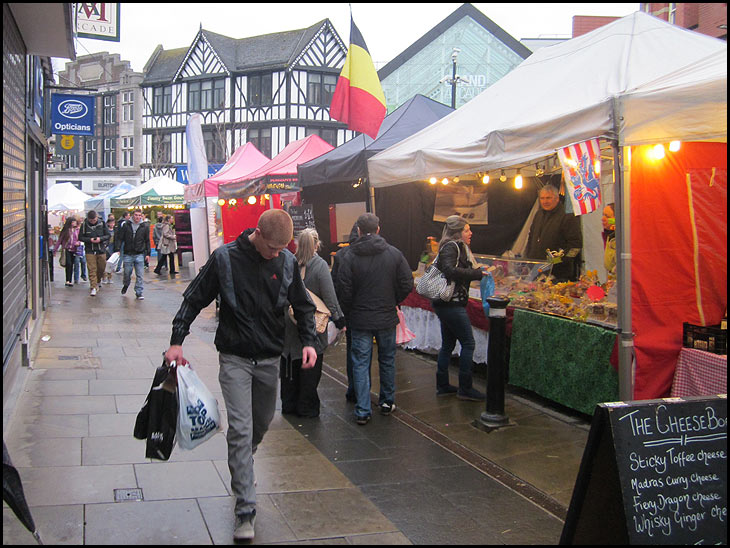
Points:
(563, 360)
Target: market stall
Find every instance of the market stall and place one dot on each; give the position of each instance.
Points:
(159, 191)
(64, 199)
(636, 82)
(245, 160)
(339, 179)
(243, 199)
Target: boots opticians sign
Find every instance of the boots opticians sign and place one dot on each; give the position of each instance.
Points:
(72, 114)
(97, 20)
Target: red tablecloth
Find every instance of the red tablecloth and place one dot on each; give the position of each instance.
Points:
(700, 373)
(473, 309)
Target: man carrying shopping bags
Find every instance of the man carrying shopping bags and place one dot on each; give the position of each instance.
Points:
(257, 278)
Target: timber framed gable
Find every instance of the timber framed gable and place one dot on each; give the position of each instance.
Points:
(271, 90)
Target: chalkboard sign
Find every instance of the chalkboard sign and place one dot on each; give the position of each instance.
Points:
(303, 217)
(653, 472)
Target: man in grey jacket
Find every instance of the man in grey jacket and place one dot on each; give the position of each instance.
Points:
(373, 278)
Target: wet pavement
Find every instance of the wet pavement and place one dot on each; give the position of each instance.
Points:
(427, 474)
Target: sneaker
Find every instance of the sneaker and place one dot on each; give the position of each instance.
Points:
(84, 278)
(69, 284)
(124, 288)
(387, 408)
(244, 527)
(471, 394)
(446, 390)
(140, 297)
(362, 420)
(93, 292)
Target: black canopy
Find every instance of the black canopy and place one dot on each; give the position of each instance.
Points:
(348, 162)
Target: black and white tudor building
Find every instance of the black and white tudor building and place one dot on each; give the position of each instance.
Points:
(269, 90)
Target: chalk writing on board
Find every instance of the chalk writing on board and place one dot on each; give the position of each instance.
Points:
(675, 465)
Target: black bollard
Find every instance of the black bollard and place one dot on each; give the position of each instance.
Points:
(494, 415)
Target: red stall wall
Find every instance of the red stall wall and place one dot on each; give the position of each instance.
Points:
(679, 254)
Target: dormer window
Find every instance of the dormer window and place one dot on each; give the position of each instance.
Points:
(206, 95)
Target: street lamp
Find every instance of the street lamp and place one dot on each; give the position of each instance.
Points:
(454, 79)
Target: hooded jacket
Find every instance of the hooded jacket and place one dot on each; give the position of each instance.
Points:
(373, 278)
(135, 243)
(255, 293)
(98, 230)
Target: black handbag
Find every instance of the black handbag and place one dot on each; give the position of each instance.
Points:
(157, 420)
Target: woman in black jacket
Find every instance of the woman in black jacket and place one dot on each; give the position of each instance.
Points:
(456, 262)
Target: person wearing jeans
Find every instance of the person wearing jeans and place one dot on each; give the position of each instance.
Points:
(373, 278)
(362, 353)
(135, 237)
(457, 263)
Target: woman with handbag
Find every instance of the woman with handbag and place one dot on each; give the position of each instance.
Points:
(68, 242)
(299, 386)
(167, 246)
(455, 261)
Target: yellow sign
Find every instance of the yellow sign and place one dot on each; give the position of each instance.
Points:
(68, 142)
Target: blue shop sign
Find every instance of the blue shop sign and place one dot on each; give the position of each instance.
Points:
(182, 172)
(72, 114)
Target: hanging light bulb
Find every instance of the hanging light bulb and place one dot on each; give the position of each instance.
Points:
(252, 200)
(485, 179)
(503, 177)
(445, 181)
(597, 167)
(456, 179)
(221, 202)
(518, 180)
(658, 152)
(433, 180)
(674, 146)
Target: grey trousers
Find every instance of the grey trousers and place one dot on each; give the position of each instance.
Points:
(249, 391)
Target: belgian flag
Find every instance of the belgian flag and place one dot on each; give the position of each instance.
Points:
(359, 100)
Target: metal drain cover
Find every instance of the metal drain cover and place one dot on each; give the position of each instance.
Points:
(124, 495)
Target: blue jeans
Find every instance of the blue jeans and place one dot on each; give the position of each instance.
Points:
(455, 325)
(362, 353)
(138, 262)
(79, 264)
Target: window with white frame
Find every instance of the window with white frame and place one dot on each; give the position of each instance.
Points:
(127, 106)
(259, 90)
(110, 152)
(206, 95)
(320, 88)
(127, 151)
(162, 100)
(261, 139)
(90, 157)
(110, 109)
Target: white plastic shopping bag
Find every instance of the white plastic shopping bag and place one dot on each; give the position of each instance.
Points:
(111, 262)
(334, 335)
(198, 417)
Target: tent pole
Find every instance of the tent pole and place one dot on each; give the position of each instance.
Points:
(623, 272)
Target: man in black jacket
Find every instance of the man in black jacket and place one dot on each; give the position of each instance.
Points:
(554, 229)
(95, 235)
(373, 278)
(135, 237)
(257, 278)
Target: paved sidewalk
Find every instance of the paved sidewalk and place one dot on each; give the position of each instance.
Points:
(416, 477)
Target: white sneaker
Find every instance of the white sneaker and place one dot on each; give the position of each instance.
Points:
(244, 527)
(93, 292)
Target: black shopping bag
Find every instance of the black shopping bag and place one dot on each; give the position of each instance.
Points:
(157, 420)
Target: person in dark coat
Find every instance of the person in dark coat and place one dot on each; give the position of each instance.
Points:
(337, 260)
(457, 264)
(95, 235)
(554, 229)
(135, 240)
(372, 280)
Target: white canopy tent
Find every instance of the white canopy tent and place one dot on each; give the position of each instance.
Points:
(101, 202)
(66, 197)
(659, 80)
(636, 81)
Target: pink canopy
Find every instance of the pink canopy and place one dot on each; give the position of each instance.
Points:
(245, 160)
(280, 173)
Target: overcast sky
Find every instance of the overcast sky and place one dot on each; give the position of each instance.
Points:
(388, 29)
